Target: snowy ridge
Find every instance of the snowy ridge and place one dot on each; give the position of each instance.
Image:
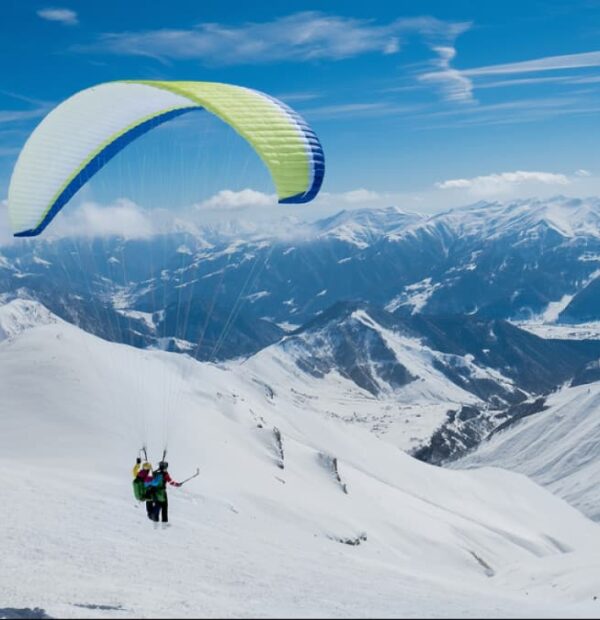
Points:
(568, 217)
(268, 516)
(410, 379)
(19, 315)
(517, 261)
(362, 227)
(557, 447)
(406, 410)
(502, 259)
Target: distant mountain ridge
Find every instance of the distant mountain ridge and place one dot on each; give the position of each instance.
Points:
(409, 312)
(508, 261)
(231, 290)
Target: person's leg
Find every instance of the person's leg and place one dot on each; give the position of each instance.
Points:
(165, 511)
(150, 510)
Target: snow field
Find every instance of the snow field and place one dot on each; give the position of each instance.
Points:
(248, 537)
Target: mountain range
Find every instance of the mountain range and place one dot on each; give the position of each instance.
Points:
(295, 370)
(435, 319)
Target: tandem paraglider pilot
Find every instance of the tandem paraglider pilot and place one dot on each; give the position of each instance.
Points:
(151, 487)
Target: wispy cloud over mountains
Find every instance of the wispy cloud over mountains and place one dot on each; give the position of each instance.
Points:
(503, 182)
(308, 35)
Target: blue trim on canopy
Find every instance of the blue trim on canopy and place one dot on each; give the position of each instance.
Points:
(317, 157)
(315, 152)
(99, 161)
(319, 173)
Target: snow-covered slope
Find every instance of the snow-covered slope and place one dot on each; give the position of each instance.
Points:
(292, 515)
(353, 369)
(558, 447)
(434, 386)
(551, 330)
(21, 314)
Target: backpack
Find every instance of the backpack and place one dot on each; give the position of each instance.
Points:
(141, 491)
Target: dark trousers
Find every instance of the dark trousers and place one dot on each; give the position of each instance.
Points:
(150, 510)
(161, 509)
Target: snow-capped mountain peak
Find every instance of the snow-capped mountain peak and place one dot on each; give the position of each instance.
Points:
(361, 227)
(568, 217)
(19, 315)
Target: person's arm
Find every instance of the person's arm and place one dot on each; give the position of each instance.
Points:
(171, 481)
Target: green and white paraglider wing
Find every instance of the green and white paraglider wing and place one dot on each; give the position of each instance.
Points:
(77, 138)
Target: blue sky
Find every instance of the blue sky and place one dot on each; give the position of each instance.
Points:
(420, 104)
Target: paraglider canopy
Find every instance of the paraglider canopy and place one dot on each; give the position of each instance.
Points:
(78, 137)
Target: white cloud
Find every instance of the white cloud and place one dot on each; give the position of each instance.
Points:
(453, 83)
(14, 116)
(352, 199)
(561, 80)
(19, 97)
(371, 109)
(231, 200)
(458, 85)
(298, 96)
(122, 218)
(549, 63)
(501, 83)
(228, 204)
(392, 46)
(359, 195)
(503, 182)
(513, 111)
(63, 16)
(457, 193)
(308, 35)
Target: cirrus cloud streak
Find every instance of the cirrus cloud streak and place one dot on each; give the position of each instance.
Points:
(303, 36)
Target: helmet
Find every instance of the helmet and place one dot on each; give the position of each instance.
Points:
(147, 466)
(163, 465)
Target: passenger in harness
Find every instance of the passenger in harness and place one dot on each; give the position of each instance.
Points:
(142, 476)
